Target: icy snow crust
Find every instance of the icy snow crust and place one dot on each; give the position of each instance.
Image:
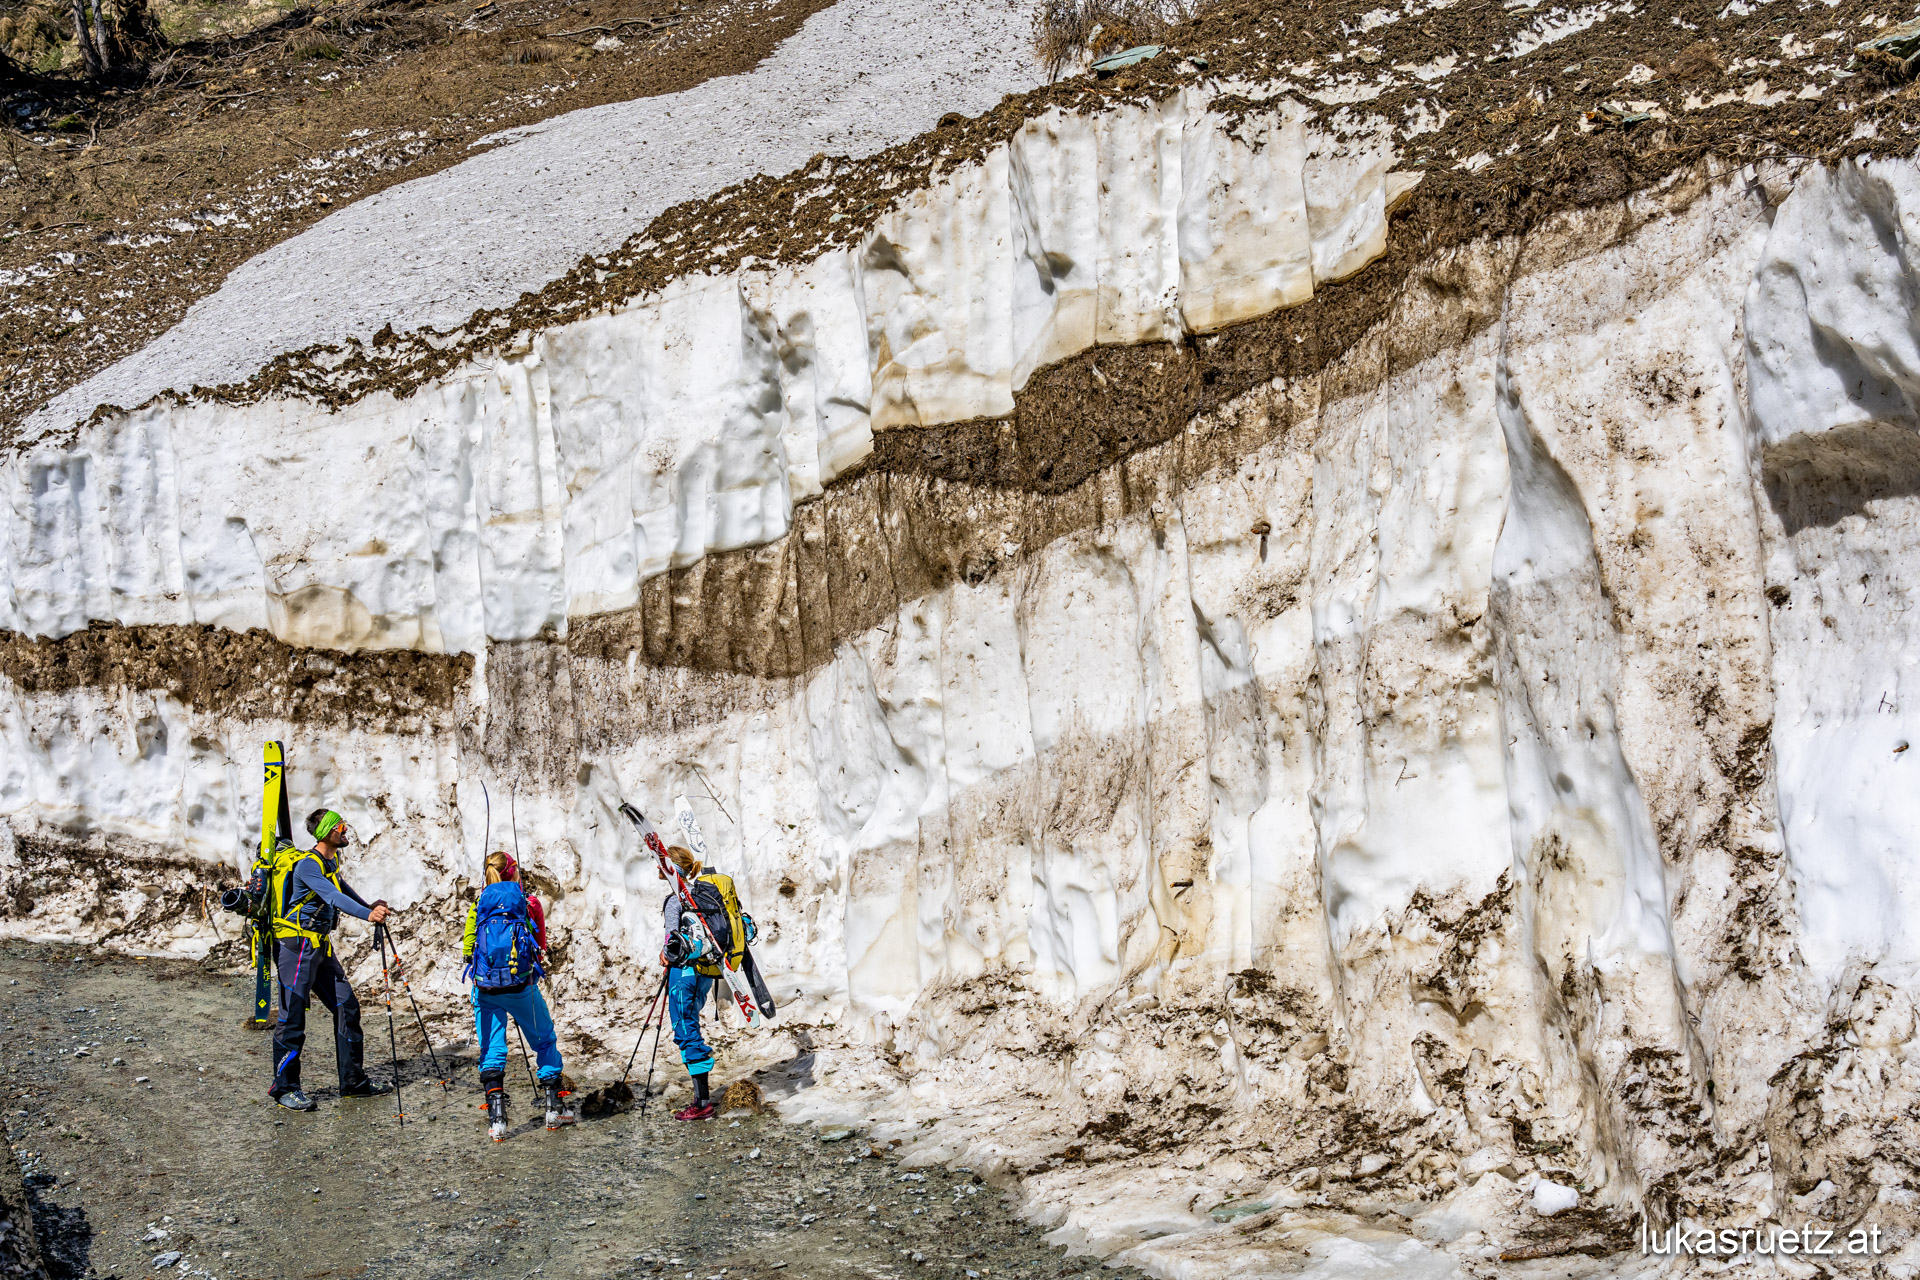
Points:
(551, 481)
(1486, 788)
(858, 77)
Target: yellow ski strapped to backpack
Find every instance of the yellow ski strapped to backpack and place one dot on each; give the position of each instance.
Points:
(278, 856)
(276, 826)
(276, 833)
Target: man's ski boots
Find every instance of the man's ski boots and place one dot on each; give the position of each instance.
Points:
(559, 1106)
(497, 1114)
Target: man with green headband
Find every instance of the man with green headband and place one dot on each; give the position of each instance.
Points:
(308, 896)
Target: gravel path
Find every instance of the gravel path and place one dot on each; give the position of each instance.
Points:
(159, 1139)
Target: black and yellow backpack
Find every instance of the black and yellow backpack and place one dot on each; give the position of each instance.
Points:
(719, 905)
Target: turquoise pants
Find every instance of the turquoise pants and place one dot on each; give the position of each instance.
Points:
(686, 992)
(491, 1009)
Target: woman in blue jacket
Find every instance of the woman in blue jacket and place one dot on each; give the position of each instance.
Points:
(504, 944)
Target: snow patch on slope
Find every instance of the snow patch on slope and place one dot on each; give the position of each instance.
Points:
(858, 77)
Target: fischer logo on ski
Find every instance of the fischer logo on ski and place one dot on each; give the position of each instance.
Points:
(683, 889)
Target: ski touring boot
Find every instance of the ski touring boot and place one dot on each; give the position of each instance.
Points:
(559, 1106)
(497, 1114)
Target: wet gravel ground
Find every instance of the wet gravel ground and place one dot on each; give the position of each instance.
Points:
(136, 1101)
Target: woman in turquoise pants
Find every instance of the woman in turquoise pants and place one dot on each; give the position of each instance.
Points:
(686, 993)
(523, 1003)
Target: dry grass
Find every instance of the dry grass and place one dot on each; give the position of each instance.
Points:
(1698, 61)
(311, 43)
(540, 51)
(37, 37)
(743, 1095)
(1067, 31)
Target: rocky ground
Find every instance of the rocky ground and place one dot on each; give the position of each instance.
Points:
(136, 1101)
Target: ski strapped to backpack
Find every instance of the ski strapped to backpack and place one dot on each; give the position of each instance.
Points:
(255, 902)
(505, 952)
(720, 906)
(733, 964)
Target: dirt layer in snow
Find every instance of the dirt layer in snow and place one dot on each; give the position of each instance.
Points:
(1093, 438)
(159, 1139)
(248, 674)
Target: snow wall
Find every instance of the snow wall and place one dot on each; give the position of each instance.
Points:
(1481, 762)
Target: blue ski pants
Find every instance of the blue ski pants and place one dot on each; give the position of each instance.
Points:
(686, 992)
(491, 1009)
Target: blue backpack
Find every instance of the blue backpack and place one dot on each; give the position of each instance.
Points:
(505, 953)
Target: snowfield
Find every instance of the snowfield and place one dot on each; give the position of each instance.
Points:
(551, 482)
(859, 77)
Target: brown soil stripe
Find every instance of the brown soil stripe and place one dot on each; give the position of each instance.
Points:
(245, 675)
(1094, 438)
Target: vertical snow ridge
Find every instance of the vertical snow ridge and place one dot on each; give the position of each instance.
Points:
(1836, 422)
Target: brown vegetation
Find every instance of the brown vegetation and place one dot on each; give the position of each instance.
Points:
(1067, 30)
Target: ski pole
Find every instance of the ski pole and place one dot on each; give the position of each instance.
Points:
(659, 1029)
(652, 1003)
(525, 1057)
(646, 1024)
(393, 1044)
(381, 931)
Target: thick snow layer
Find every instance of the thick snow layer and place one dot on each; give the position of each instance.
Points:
(551, 481)
(1836, 409)
(1487, 779)
(858, 77)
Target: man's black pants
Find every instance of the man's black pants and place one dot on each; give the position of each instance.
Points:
(307, 971)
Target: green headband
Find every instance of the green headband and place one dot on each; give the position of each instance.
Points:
(327, 825)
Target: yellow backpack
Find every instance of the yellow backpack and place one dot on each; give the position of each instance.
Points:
(714, 894)
(286, 915)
